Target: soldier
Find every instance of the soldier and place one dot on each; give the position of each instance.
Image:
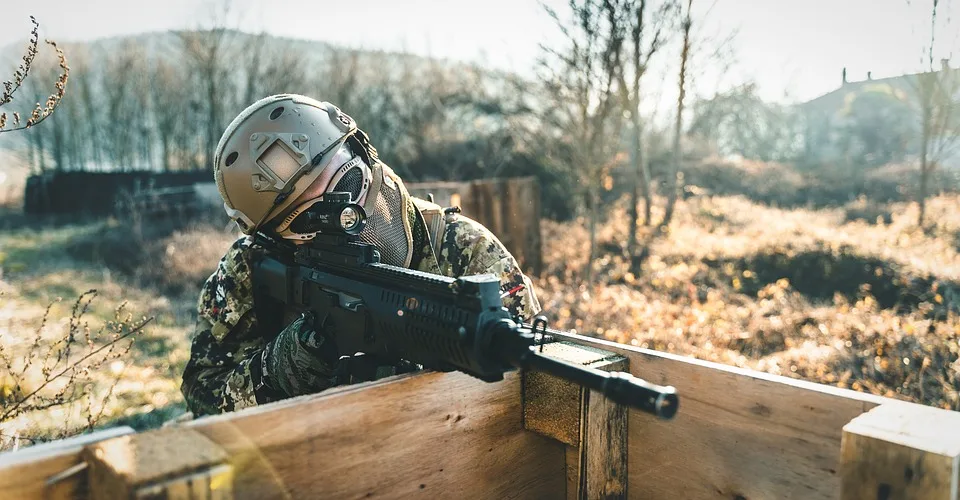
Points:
(274, 161)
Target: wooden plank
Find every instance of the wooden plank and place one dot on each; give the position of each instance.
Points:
(215, 483)
(508, 207)
(902, 451)
(432, 435)
(738, 433)
(24, 473)
(533, 251)
(603, 444)
(162, 463)
(552, 406)
(593, 428)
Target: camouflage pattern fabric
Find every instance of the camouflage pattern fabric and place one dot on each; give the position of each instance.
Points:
(226, 367)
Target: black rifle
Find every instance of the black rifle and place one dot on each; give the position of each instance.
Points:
(393, 313)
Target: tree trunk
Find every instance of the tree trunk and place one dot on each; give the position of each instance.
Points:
(924, 163)
(594, 215)
(212, 97)
(641, 186)
(634, 193)
(922, 201)
(672, 184)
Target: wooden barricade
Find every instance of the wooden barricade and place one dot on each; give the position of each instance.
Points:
(738, 435)
(509, 207)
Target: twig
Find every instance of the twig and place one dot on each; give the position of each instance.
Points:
(87, 356)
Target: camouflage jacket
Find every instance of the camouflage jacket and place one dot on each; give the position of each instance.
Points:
(228, 339)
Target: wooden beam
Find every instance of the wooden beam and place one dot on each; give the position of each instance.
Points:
(603, 445)
(738, 433)
(432, 435)
(51, 470)
(168, 463)
(901, 450)
(593, 428)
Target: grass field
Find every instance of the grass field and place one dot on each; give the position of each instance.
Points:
(847, 293)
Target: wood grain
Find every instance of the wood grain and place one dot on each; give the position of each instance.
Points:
(603, 448)
(901, 451)
(738, 434)
(23, 474)
(163, 458)
(509, 207)
(433, 435)
(593, 428)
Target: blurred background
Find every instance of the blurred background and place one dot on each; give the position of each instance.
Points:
(762, 183)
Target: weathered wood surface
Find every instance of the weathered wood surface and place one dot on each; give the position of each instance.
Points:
(215, 483)
(445, 193)
(24, 474)
(508, 207)
(166, 463)
(738, 434)
(593, 428)
(902, 451)
(434, 435)
(604, 458)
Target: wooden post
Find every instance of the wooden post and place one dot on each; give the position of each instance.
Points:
(901, 451)
(508, 207)
(593, 427)
(169, 463)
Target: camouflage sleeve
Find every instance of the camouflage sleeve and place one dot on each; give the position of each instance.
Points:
(470, 248)
(225, 354)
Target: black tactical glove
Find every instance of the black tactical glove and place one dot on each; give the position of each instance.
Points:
(300, 360)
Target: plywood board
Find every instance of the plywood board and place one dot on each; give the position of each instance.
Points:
(738, 433)
(434, 435)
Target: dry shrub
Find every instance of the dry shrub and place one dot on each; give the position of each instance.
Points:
(816, 185)
(801, 293)
(171, 258)
(58, 374)
(190, 255)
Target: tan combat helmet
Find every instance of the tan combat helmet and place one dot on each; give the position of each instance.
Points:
(283, 153)
(276, 149)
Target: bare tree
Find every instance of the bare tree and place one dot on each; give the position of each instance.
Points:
(643, 45)
(10, 87)
(676, 173)
(936, 94)
(208, 52)
(169, 96)
(582, 83)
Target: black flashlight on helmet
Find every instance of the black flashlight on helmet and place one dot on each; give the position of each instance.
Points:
(334, 213)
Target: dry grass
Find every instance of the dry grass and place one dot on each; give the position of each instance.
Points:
(804, 293)
(157, 276)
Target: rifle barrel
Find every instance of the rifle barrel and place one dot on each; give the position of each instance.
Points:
(620, 387)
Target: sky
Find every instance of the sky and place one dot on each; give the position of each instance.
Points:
(793, 49)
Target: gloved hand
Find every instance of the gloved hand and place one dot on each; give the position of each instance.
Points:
(300, 360)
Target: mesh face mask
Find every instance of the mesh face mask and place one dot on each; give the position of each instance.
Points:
(387, 228)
